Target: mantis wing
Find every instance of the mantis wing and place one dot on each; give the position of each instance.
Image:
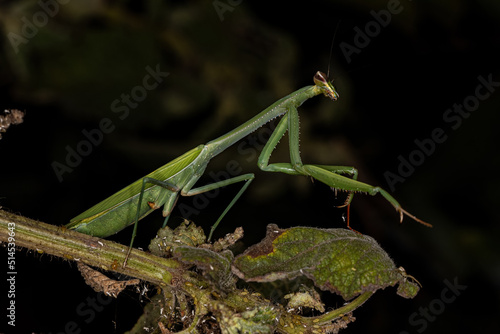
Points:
(127, 194)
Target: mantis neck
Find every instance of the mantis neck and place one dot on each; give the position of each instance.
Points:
(276, 109)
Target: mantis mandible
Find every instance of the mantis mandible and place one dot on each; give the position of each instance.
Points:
(163, 186)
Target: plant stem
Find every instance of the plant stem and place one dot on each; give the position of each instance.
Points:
(59, 241)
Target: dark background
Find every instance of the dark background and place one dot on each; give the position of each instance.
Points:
(393, 90)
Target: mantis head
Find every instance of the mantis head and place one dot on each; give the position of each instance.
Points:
(325, 85)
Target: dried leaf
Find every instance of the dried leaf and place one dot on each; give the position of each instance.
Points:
(100, 282)
(227, 241)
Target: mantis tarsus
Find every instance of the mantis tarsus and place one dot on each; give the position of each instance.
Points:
(163, 186)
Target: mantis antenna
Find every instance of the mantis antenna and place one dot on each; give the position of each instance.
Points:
(331, 49)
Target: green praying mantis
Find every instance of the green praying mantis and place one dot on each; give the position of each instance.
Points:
(163, 186)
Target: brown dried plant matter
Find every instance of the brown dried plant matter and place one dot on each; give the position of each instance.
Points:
(100, 282)
(13, 116)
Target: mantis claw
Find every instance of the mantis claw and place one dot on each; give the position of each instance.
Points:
(402, 211)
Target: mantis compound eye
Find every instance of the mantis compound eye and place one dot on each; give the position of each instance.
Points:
(321, 80)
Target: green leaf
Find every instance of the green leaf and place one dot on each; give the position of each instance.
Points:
(336, 260)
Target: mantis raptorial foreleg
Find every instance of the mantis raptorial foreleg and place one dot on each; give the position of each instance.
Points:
(329, 175)
(289, 168)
